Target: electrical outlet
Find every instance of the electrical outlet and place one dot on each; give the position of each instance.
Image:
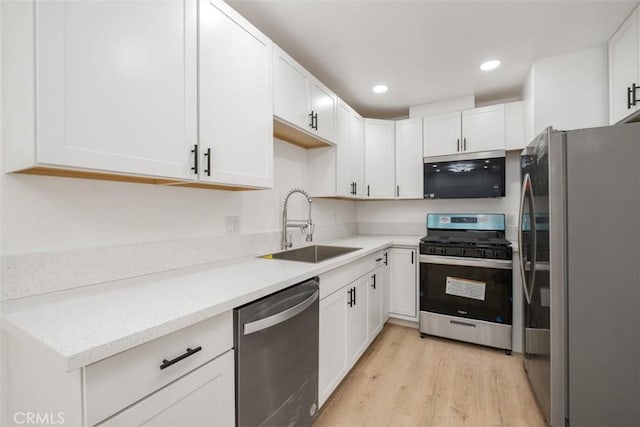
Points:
(511, 219)
(232, 224)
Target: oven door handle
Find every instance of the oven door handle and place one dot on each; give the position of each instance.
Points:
(501, 264)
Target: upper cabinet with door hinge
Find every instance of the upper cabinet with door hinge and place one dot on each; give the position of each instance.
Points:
(469, 131)
(409, 164)
(235, 99)
(379, 138)
(305, 110)
(624, 69)
(117, 94)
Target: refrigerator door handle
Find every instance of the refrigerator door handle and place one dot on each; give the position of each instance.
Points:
(527, 192)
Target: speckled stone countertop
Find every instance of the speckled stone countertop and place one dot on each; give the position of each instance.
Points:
(85, 325)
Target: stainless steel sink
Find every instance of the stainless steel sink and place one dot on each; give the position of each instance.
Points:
(314, 253)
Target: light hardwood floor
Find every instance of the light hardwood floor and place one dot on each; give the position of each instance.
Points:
(403, 380)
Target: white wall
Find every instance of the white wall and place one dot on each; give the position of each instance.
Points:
(567, 91)
(51, 214)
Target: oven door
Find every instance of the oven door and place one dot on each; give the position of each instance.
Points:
(473, 288)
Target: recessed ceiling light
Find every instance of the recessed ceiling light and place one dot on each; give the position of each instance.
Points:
(380, 88)
(490, 65)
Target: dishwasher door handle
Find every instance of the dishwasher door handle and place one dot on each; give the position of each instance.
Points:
(277, 318)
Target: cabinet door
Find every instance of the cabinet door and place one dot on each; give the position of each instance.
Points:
(333, 343)
(117, 86)
(409, 161)
(623, 68)
(358, 154)
(290, 91)
(374, 303)
(483, 129)
(514, 126)
(323, 103)
(379, 140)
(204, 397)
(442, 135)
(385, 286)
(236, 103)
(357, 332)
(344, 176)
(403, 281)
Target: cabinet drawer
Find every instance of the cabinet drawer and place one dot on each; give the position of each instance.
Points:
(118, 381)
(205, 397)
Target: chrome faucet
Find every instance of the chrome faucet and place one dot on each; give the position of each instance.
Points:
(306, 227)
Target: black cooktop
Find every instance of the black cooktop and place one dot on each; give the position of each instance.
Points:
(490, 245)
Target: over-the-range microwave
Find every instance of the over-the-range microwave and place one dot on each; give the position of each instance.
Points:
(464, 176)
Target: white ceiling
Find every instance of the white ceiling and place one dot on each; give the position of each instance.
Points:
(428, 50)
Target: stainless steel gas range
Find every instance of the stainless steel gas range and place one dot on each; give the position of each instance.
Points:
(466, 279)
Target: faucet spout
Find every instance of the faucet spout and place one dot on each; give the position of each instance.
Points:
(306, 227)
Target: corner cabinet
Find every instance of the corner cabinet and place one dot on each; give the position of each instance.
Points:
(624, 69)
(379, 137)
(302, 102)
(138, 91)
(404, 284)
(409, 163)
(235, 99)
(469, 131)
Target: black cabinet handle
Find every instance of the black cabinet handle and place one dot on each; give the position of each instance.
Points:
(190, 352)
(373, 285)
(397, 191)
(311, 117)
(386, 259)
(355, 188)
(195, 159)
(208, 156)
(412, 257)
(458, 145)
(368, 193)
(634, 88)
(351, 301)
(379, 259)
(354, 295)
(464, 144)
(628, 97)
(315, 118)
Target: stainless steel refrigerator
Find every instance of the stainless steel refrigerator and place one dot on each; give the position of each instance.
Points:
(579, 250)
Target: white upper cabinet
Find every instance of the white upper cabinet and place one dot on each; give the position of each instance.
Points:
(358, 149)
(379, 137)
(301, 100)
(624, 69)
(117, 86)
(469, 131)
(483, 129)
(235, 99)
(514, 126)
(409, 163)
(323, 111)
(442, 134)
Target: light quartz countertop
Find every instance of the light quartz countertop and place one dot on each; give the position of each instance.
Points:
(88, 324)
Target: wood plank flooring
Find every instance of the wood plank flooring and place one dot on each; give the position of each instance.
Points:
(403, 380)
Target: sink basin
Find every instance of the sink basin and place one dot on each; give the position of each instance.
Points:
(314, 253)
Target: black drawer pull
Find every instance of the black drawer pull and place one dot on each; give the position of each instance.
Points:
(190, 351)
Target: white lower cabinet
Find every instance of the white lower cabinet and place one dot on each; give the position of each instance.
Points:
(357, 313)
(205, 397)
(350, 318)
(374, 301)
(404, 294)
(333, 343)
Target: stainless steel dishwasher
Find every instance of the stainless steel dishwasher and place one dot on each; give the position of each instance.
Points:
(276, 350)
